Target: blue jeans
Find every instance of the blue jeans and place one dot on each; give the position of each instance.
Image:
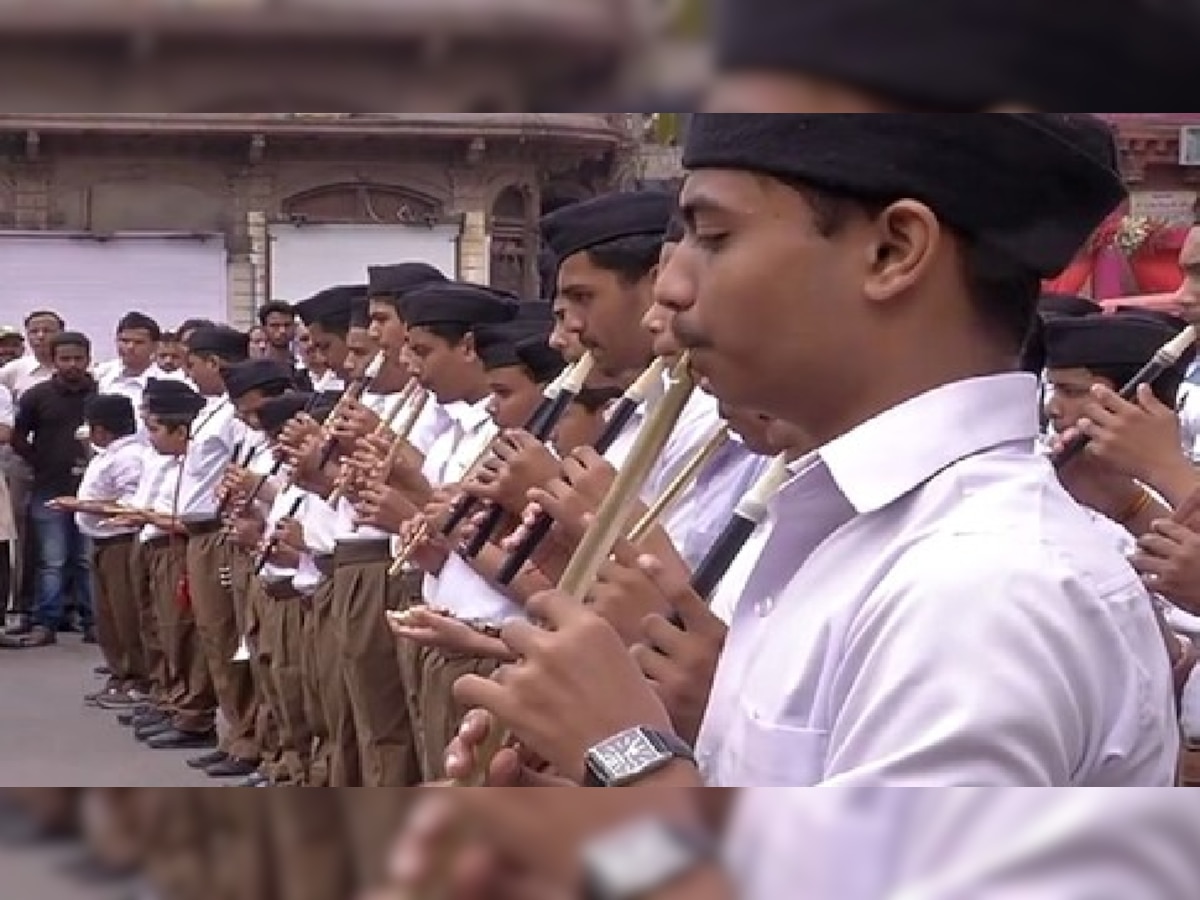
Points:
(64, 560)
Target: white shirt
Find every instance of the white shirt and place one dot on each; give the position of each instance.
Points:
(22, 374)
(285, 500)
(8, 409)
(470, 431)
(460, 590)
(705, 509)
(319, 522)
(328, 383)
(159, 490)
(216, 433)
(347, 530)
(965, 844)
(694, 427)
(112, 378)
(931, 608)
(113, 476)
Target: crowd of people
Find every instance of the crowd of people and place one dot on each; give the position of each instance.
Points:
(799, 480)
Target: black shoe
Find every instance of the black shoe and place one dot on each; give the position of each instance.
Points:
(150, 720)
(139, 716)
(211, 759)
(182, 740)
(103, 672)
(231, 768)
(89, 635)
(67, 627)
(152, 731)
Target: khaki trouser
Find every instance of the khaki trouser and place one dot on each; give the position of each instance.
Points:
(144, 595)
(374, 819)
(218, 628)
(190, 693)
(117, 616)
(363, 593)
(279, 645)
(314, 705)
(311, 849)
(337, 760)
(441, 714)
(178, 849)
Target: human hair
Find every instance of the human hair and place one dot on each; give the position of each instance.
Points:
(275, 308)
(631, 259)
(136, 321)
(46, 314)
(70, 339)
(120, 423)
(193, 325)
(1003, 292)
(453, 333)
(170, 337)
(595, 399)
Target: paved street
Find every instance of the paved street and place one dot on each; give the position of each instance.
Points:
(49, 738)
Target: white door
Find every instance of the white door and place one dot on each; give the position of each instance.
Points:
(92, 283)
(306, 259)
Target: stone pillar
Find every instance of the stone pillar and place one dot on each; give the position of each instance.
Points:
(475, 248)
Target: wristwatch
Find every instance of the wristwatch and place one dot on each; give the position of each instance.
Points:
(629, 757)
(641, 858)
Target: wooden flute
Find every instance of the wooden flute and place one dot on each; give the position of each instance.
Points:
(597, 545)
(383, 429)
(556, 402)
(354, 393)
(627, 406)
(679, 486)
(424, 530)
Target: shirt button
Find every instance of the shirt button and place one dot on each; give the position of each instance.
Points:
(765, 607)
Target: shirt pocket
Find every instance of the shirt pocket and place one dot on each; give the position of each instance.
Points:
(758, 752)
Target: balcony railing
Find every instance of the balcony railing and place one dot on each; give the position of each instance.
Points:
(600, 127)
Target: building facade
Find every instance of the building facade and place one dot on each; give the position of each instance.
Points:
(215, 214)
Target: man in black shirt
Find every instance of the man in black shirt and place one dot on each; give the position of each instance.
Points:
(47, 436)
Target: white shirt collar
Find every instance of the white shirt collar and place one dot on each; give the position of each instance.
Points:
(891, 455)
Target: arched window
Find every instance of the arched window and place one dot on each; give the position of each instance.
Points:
(513, 254)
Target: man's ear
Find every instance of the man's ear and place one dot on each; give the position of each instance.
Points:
(908, 238)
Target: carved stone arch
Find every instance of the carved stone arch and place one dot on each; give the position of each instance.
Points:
(513, 255)
(362, 203)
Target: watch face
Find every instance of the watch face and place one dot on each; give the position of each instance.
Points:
(628, 757)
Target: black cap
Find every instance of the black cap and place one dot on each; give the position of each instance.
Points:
(1032, 186)
(331, 308)
(167, 397)
(228, 343)
(962, 55)
(112, 411)
(256, 375)
(395, 281)
(582, 226)
(278, 411)
(1067, 305)
(1115, 346)
(543, 361)
(538, 311)
(360, 312)
(457, 303)
(496, 345)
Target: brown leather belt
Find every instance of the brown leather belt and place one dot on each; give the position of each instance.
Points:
(325, 565)
(362, 553)
(280, 590)
(202, 529)
(114, 541)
